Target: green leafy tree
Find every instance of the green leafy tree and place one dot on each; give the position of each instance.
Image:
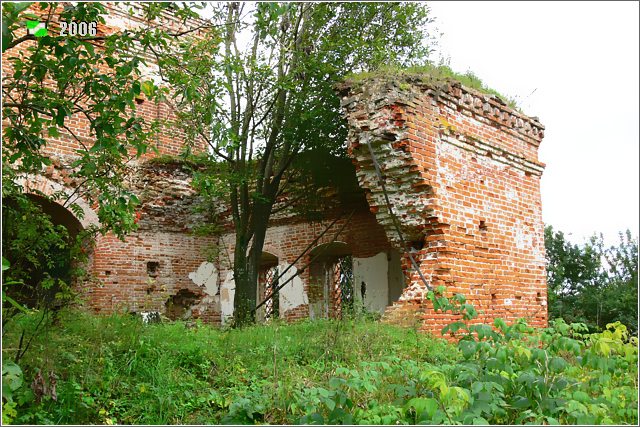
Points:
(259, 91)
(571, 270)
(590, 283)
(50, 80)
(53, 79)
(620, 296)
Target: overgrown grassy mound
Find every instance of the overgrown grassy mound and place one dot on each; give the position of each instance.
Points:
(116, 370)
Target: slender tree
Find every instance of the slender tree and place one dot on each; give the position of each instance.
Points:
(259, 90)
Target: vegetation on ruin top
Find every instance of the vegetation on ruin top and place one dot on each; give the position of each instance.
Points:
(435, 73)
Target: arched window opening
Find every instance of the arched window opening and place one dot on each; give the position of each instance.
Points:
(332, 280)
(267, 284)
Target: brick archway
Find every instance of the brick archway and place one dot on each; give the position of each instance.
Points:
(39, 184)
(272, 251)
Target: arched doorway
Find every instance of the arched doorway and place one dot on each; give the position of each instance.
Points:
(331, 280)
(40, 240)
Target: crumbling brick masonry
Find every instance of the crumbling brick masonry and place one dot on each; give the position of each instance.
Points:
(462, 176)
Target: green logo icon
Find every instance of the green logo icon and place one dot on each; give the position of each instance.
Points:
(37, 29)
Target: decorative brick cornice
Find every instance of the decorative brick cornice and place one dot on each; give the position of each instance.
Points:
(488, 107)
(484, 107)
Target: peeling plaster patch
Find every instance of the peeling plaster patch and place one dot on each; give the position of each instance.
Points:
(206, 276)
(150, 72)
(227, 294)
(373, 271)
(292, 295)
(508, 302)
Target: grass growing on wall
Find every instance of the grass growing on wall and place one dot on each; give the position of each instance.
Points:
(438, 73)
(113, 369)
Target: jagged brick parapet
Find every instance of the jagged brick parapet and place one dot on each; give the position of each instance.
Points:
(463, 177)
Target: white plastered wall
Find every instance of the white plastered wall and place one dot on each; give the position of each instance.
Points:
(227, 294)
(373, 271)
(293, 294)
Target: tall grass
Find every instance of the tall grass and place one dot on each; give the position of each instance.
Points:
(114, 369)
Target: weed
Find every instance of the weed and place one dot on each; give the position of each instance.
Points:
(113, 369)
(432, 72)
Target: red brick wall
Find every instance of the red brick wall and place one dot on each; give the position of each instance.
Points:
(121, 268)
(461, 171)
(165, 232)
(170, 140)
(464, 180)
(362, 234)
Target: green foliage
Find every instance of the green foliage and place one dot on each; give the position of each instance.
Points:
(55, 78)
(258, 89)
(48, 84)
(116, 370)
(45, 257)
(590, 283)
(11, 381)
(7, 281)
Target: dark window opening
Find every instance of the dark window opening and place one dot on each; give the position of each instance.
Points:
(152, 268)
(417, 244)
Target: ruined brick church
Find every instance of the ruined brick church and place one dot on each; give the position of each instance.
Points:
(460, 171)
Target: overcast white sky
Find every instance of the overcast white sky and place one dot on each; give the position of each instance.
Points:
(574, 65)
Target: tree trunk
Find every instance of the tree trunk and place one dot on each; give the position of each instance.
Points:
(244, 299)
(247, 267)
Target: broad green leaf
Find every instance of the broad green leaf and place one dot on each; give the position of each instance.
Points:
(521, 402)
(53, 132)
(148, 88)
(425, 407)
